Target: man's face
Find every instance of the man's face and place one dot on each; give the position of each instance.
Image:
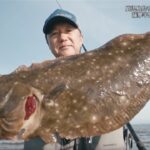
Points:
(65, 40)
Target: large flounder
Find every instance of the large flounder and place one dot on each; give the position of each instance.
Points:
(82, 95)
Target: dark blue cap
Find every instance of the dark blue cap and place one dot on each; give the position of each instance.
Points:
(59, 15)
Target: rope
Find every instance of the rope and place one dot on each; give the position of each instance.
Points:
(58, 4)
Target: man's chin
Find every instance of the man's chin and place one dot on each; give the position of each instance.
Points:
(67, 52)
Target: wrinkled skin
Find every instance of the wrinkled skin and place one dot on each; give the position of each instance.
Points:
(82, 95)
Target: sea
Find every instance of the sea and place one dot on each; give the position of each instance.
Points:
(143, 133)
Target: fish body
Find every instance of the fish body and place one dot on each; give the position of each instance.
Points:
(78, 96)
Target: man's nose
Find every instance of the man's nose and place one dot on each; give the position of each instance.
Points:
(62, 36)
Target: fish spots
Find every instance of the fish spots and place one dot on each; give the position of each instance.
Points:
(123, 99)
(59, 73)
(97, 67)
(148, 72)
(136, 73)
(115, 112)
(120, 92)
(95, 127)
(88, 72)
(79, 81)
(110, 53)
(94, 118)
(109, 81)
(147, 60)
(132, 38)
(116, 86)
(82, 62)
(51, 103)
(105, 67)
(93, 78)
(122, 51)
(46, 80)
(117, 51)
(106, 118)
(119, 59)
(92, 63)
(37, 81)
(89, 53)
(83, 97)
(56, 78)
(58, 121)
(70, 115)
(82, 131)
(127, 65)
(77, 126)
(100, 79)
(74, 101)
(54, 138)
(114, 64)
(70, 93)
(111, 71)
(141, 74)
(45, 73)
(85, 108)
(110, 122)
(70, 132)
(59, 69)
(57, 112)
(75, 111)
(124, 43)
(97, 81)
(24, 76)
(128, 84)
(94, 60)
(60, 116)
(56, 104)
(78, 64)
(138, 44)
(62, 61)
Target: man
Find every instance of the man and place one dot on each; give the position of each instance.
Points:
(64, 38)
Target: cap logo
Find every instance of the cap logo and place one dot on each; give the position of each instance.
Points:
(64, 15)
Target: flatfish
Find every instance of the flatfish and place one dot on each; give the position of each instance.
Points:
(77, 96)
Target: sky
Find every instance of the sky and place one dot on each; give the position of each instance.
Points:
(22, 41)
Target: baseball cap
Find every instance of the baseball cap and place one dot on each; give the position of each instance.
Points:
(59, 15)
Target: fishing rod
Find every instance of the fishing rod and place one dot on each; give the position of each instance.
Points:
(84, 47)
(59, 4)
(139, 143)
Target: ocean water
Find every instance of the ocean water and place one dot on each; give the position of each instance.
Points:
(143, 132)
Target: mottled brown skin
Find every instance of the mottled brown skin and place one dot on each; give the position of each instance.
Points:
(82, 95)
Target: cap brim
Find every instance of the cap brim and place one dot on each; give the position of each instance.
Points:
(59, 19)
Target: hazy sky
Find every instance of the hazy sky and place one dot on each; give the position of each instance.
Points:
(21, 23)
